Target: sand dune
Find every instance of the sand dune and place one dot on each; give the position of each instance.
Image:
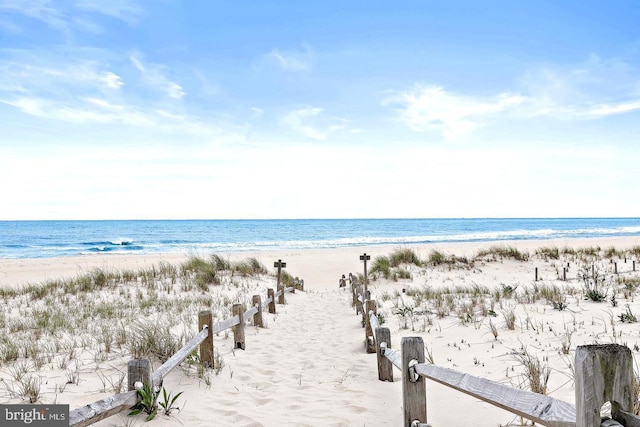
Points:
(309, 366)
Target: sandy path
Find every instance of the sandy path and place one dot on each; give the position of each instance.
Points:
(308, 362)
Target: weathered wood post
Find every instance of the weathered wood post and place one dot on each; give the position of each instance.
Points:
(603, 373)
(564, 273)
(257, 318)
(358, 302)
(363, 308)
(364, 257)
(238, 330)
(280, 265)
(370, 340)
(385, 367)
(272, 301)
(536, 278)
(414, 392)
(615, 267)
(205, 317)
(138, 370)
(355, 295)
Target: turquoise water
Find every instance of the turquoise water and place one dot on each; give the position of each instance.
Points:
(42, 239)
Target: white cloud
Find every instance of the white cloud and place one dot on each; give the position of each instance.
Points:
(607, 110)
(125, 10)
(593, 90)
(136, 63)
(428, 108)
(289, 61)
(153, 75)
(590, 90)
(41, 10)
(112, 80)
(67, 17)
(312, 123)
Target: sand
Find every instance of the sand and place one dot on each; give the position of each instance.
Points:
(309, 366)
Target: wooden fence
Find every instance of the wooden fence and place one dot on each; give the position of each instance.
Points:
(140, 370)
(603, 373)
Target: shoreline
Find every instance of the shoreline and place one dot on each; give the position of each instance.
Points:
(319, 268)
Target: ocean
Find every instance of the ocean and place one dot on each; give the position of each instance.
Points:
(44, 239)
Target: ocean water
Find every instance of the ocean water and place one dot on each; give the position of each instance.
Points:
(43, 239)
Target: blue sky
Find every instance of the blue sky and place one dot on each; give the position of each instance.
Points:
(330, 109)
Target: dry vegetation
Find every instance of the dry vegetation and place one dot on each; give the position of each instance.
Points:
(55, 333)
(518, 328)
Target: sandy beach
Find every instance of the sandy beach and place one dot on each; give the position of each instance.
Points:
(309, 367)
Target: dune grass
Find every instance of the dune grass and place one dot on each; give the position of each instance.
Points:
(114, 316)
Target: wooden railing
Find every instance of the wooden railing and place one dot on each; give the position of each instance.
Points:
(603, 373)
(139, 370)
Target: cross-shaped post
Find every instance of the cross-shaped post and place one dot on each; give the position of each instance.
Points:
(280, 265)
(364, 258)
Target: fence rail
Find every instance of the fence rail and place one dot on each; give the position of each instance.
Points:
(104, 408)
(603, 373)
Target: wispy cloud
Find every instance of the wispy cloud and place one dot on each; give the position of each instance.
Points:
(69, 17)
(593, 90)
(154, 76)
(290, 60)
(124, 10)
(312, 123)
(63, 88)
(431, 108)
(41, 10)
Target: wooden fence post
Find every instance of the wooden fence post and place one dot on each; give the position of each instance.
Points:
(414, 392)
(603, 373)
(536, 278)
(205, 317)
(279, 286)
(369, 338)
(238, 330)
(272, 301)
(358, 303)
(257, 318)
(385, 367)
(355, 295)
(564, 273)
(363, 307)
(365, 258)
(138, 370)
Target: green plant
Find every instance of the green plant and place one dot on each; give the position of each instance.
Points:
(548, 252)
(404, 256)
(503, 252)
(147, 401)
(382, 266)
(559, 304)
(508, 290)
(168, 403)
(593, 283)
(628, 317)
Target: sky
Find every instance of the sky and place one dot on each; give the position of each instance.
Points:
(208, 109)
